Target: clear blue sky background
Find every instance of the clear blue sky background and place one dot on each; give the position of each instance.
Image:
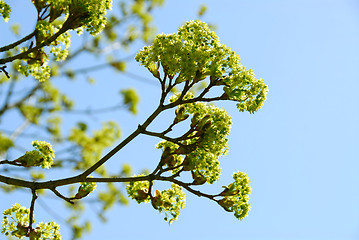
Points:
(300, 151)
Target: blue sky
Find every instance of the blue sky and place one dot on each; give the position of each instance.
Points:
(300, 151)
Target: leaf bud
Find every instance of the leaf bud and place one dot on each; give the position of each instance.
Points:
(205, 127)
(203, 121)
(141, 194)
(81, 193)
(156, 201)
(170, 161)
(155, 73)
(180, 115)
(195, 120)
(167, 205)
(199, 76)
(226, 204)
(165, 154)
(198, 178)
(228, 192)
(85, 189)
(35, 234)
(186, 164)
(186, 149)
(21, 230)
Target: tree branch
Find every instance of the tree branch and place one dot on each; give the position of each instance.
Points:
(24, 55)
(10, 163)
(10, 46)
(57, 193)
(32, 207)
(186, 186)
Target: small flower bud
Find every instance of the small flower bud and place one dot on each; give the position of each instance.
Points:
(155, 73)
(170, 161)
(186, 164)
(195, 120)
(203, 121)
(35, 234)
(205, 127)
(226, 204)
(156, 201)
(180, 116)
(142, 194)
(167, 205)
(198, 178)
(199, 76)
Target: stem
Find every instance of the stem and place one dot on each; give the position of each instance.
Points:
(31, 217)
(25, 54)
(185, 186)
(10, 46)
(9, 162)
(57, 193)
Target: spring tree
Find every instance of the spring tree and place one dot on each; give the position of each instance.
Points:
(39, 109)
(180, 62)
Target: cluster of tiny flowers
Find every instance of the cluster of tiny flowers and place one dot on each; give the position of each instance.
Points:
(94, 12)
(85, 189)
(79, 15)
(16, 223)
(5, 10)
(169, 201)
(138, 190)
(209, 139)
(195, 53)
(214, 141)
(236, 196)
(172, 201)
(43, 155)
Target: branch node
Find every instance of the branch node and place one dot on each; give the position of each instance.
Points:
(4, 71)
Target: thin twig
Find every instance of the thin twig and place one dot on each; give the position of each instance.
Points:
(10, 46)
(4, 71)
(10, 163)
(24, 55)
(186, 186)
(32, 207)
(57, 193)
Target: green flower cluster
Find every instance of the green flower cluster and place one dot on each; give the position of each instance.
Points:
(5, 10)
(214, 125)
(89, 14)
(195, 53)
(211, 126)
(14, 217)
(16, 223)
(236, 196)
(79, 14)
(85, 189)
(169, 201)
(37, 63)
(139, 190)
(43, 155)
(169, 158)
